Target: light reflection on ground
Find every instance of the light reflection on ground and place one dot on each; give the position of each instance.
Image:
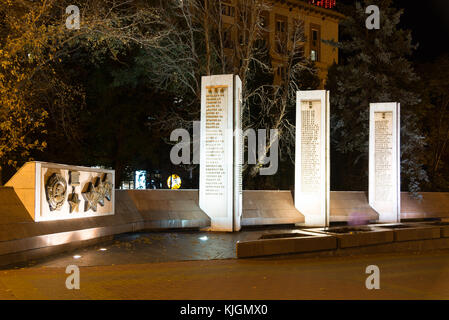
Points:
(147, 247)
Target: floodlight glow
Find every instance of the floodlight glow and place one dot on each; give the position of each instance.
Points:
(77, 256)
(205, 238)
(103, 249)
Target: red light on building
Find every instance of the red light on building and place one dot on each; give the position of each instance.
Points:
(328, 4)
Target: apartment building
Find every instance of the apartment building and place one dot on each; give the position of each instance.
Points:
(320, 22)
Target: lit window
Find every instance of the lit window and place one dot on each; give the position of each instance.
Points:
(313, 55)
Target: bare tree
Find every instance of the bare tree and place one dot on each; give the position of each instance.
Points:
(217, 37)
(278, 101)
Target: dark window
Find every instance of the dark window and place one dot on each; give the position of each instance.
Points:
(228, 10)
(227, 38)
(280, 26)
(281, 72)
(315, 42)
(281, 34)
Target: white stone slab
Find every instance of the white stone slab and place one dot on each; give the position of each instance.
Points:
(220, 195)
(384, 161)
(238, 154)
(312, 167)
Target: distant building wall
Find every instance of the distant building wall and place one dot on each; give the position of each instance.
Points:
(319, 24)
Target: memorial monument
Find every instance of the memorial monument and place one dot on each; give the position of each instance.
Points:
(221, 151)
(312, 167)
(51, 191)
(384, 161)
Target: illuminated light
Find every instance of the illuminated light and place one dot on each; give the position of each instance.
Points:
(141, 179)
(205, 238)
(328, 4)
(77, 256)
(174, 182)
(103, 249)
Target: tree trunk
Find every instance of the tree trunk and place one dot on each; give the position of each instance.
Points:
(206, 35)
(118, 174)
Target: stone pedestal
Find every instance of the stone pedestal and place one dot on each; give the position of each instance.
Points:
(384, 161)
(312, 170)
(221, 151)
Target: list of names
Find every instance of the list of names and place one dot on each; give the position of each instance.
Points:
(310, 146)
(383, 158)
(216, 102)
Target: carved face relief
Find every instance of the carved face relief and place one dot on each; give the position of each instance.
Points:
(56, 189)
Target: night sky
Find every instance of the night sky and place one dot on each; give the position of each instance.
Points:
(429, 22)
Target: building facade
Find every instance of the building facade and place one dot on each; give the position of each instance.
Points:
(320, 22)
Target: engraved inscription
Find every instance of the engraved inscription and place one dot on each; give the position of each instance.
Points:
(216, 103)
(383, 159)
(310, 146)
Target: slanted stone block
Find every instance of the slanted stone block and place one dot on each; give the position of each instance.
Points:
(299, 242)
(411, 231)
(357, 236)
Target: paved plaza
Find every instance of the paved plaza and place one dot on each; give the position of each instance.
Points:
(186, 265)
(142, 247)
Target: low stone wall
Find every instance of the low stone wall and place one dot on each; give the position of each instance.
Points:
(379, 238)
(353, 206)
(180, 208)
(17, 227)
(165, 209)
(432, 205)
(266, 207)
(21, 238)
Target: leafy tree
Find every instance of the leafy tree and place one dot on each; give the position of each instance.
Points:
(36, 90)
(374, 68)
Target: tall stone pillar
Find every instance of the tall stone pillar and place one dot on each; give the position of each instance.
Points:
(384, 161)
(221, 151)
(312, 166)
